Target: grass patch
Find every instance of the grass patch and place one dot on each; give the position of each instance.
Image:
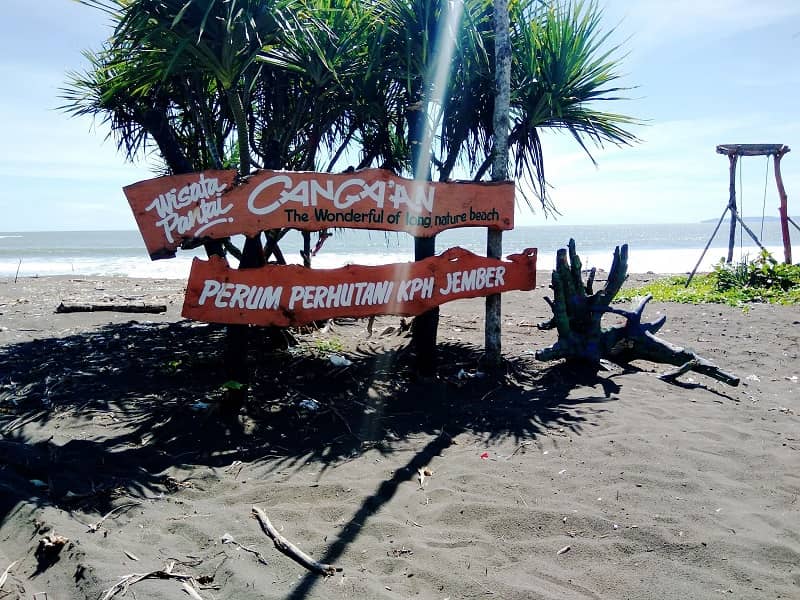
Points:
(327, 346)
(761, 280)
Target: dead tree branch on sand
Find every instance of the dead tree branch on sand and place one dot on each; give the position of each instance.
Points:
(125, 308)
(578, 311)
(187, 582)
(289, 549)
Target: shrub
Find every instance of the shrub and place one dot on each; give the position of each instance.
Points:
(761, 280)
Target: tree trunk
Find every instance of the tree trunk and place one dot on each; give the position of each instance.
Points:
(237, 108)
(156, 123)
(494, 242)
(425, 326)
(578, 311)
(237, 338)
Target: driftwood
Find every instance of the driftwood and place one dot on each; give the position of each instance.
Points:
(187, 582)
(93, 527)
(228, 539)
(289, 549)
(4, 576)
(578, 311)
(124, 308)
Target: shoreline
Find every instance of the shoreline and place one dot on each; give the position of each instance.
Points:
(653, 249)
(641, 261)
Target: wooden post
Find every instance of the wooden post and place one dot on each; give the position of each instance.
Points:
(425, 326)
(307, 249)
(783, 208)
(733, 158)
(494, 241)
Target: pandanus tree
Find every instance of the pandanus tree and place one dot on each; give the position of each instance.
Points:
(294, 82)
(241, 79)
(194, 64)
(563, 70)
(310, 84)
(435, 66)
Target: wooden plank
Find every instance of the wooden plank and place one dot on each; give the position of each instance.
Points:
(293, 295)
(751, 149)
(171, 211)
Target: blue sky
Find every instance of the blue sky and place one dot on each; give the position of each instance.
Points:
(707, 72)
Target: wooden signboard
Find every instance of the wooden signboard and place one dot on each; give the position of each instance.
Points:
(293, 295)
(176, 209)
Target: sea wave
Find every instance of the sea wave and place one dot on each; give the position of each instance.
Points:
(680, 260)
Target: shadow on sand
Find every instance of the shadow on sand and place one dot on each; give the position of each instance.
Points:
(122, 404)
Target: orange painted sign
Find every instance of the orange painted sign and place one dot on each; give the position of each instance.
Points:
(293, 295)
(177, 209)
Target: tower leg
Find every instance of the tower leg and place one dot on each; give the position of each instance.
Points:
(732, 205)
(783, 210)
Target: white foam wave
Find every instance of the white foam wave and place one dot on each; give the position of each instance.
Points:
(639, 261)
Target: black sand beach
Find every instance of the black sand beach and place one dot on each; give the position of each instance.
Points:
(546, 484)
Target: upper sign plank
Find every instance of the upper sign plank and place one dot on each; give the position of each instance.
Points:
(176, 209)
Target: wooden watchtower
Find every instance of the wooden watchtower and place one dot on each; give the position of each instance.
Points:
(734, 151)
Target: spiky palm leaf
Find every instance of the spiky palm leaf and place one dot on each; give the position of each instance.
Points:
(291, 79)
(562, 65)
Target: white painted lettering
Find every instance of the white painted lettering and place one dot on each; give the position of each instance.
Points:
(468, 280)
(320, 297)
(383, 291)
(204, 197)
(254, 298)
(359, 290)
(224, 294)
(402, 291)
(480, 278)
(308, 296)
(347, 294)
(498, 276)
(427, 288)
(272, 193)
(238, 296)
(271, 297)
(210, 289)
(447, 290)
(295, 296)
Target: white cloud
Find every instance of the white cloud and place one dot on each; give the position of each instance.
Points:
(654, 24)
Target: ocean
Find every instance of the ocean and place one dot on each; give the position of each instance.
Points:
(653, 248)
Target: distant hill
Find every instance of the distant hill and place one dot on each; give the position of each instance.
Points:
(767, 219)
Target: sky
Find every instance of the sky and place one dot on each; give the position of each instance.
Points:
(702, 73)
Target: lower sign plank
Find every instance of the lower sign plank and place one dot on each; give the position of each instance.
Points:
(293, 295)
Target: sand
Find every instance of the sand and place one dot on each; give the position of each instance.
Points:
(547, 484)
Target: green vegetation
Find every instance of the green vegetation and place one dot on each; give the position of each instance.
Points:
(326, 85)
(315, 84)
(232, 385)
(174, 366)
(761, 280)
(326, 346)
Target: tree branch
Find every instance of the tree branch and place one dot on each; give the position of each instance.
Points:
(289, 549)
